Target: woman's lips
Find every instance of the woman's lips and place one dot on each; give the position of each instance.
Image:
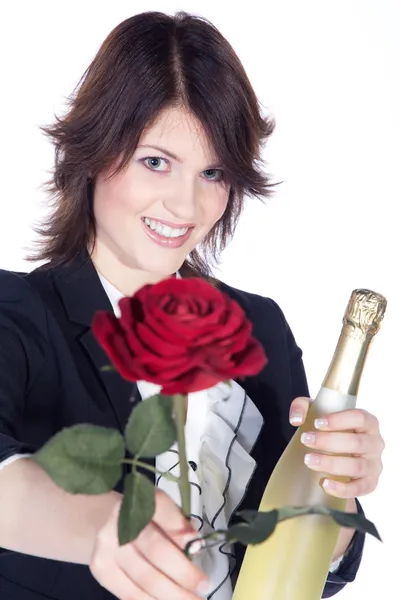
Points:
(165, 242)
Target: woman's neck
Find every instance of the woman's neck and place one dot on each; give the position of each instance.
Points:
(128, 280)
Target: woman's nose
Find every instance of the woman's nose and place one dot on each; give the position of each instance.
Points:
(183, 202)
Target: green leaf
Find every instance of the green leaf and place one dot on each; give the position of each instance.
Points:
(259, 526)
(83, 459)
(355, 521)
(151, 428)
(344, 519)
(137, 508)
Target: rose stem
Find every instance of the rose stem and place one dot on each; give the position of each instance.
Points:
(184, 486)
(139, 463)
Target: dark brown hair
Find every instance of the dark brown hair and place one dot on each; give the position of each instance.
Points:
(148, 63)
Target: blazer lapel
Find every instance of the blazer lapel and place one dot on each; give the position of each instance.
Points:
(82, 294)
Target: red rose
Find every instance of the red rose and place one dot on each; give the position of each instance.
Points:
(182, 334)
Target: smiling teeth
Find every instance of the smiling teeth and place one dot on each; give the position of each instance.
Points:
(165, 230)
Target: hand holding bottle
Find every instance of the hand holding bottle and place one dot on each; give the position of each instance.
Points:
(354, 439)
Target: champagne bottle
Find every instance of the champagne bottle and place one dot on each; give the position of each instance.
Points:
(293, 563)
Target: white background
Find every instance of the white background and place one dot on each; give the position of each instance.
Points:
(329, 73)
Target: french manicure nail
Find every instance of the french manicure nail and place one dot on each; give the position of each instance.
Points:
(328, 483)
(196, 544)
(296, 417)
(312, 459)
(195, 547)
(307, 438)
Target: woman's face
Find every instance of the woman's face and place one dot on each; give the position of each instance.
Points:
(150, 216)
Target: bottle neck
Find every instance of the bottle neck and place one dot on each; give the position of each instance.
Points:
(345, 370)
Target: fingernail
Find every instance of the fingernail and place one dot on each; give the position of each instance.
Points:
(307, 438)
(312, 459)
(328, 484)
(204, 588)
(320, 423)
(196, 546)
(296, 417)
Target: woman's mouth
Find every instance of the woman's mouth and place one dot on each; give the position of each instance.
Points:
(165, 235)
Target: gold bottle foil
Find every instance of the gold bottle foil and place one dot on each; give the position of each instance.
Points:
(361, 321)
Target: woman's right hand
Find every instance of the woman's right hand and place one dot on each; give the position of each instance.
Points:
(153, 565)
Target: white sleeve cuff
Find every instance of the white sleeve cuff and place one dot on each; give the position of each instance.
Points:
(12, 459)
(335, 565)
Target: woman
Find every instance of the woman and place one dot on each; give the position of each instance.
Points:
(161, 143)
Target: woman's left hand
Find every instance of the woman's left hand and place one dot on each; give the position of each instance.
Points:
(352, 432)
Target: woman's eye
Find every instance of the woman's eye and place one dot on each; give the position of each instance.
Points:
(215, 171)
(153, 161)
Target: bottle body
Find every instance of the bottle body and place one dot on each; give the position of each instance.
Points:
(299, 553)
(293, 563)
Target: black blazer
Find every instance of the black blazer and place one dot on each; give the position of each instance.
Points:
(50, 378)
